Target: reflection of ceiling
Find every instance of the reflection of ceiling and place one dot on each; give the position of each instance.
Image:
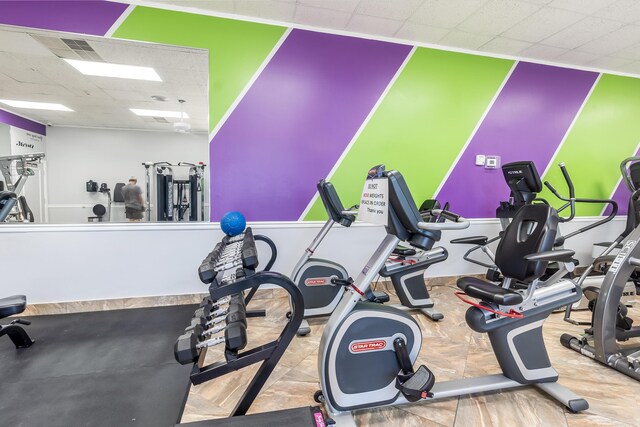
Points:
(30, 71)
(593, 33)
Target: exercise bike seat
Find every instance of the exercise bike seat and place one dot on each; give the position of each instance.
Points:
(404, 251)
(489, 292)
(12, 305)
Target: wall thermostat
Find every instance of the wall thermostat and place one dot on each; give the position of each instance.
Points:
(492, 162)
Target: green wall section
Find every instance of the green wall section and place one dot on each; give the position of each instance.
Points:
(607, 131)
(236, 48)
(422, 124)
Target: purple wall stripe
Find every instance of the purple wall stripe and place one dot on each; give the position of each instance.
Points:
(86, 17)
(527, 121)
(22, 123)
(295, 121)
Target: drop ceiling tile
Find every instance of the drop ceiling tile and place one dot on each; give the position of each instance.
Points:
(577, 58)
(608, 62)
(314, 16)
(15, 42)
(341, 5)
(614, 41)
(632, 67)
(464, 40)
(421, 33)
(542, 24)
(373, 25)
(497, 16)
(630, 53)
(505, 46)
(226, 6)
(538, 51)
(582, 6)
(266, 9)
(445, 13)
(627, 11)
(396, 9)
(584, 31)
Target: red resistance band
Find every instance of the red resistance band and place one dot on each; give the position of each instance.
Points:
(403, 261)
(512, 313)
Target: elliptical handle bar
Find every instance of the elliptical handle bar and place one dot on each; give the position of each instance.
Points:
(614, 212)
(457, 222)
(571, 201)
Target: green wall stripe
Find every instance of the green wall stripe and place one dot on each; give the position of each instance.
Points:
(236, 48)
(606, 132)
(422, 124)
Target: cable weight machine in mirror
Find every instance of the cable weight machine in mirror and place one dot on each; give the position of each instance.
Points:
(174, 192)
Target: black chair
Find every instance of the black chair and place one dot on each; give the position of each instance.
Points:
(8, 307)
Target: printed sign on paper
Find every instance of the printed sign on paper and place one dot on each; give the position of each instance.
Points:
(374, 202)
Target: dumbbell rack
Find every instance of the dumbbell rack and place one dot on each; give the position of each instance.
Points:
(230, 270)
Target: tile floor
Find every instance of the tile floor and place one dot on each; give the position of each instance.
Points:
(451, 350)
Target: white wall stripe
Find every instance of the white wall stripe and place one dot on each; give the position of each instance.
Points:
(292, 25)
(360, 129)
(618, 184)
(120, 20)
(250, 83)
(566, 134)
(473, 132)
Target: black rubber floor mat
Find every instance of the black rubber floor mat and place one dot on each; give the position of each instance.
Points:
(110, 368)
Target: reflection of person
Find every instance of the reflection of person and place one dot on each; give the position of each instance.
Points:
(133, 202)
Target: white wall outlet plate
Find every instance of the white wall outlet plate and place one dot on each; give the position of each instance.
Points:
(480, 159)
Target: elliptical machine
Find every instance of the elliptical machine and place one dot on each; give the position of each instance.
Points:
(367, 351)
(609, 321)
(322, 281)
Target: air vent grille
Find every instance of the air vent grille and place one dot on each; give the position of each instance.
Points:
(69, 48)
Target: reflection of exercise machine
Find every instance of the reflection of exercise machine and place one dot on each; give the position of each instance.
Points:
(99, 210)
(176, 199)
(22, 166)
(368, 351)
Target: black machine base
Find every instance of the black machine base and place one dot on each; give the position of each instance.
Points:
(296, 417)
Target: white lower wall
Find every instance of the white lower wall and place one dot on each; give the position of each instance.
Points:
(57, 263)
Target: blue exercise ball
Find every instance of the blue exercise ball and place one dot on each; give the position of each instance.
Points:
(233, 223)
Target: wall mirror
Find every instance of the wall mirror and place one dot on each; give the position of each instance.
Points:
(81, 116)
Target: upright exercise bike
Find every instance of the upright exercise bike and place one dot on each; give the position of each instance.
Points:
(367, 351)
(322, 281)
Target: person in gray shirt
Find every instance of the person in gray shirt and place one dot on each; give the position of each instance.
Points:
(133, 202)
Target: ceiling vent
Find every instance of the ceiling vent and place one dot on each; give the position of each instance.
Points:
(69, 48)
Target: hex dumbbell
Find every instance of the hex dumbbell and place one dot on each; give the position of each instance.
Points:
(187, 347)
(233, 314)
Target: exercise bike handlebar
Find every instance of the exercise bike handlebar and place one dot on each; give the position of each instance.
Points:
(456, 222)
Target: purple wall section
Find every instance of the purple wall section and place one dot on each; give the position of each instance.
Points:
(295, 121)
(527, 121)
(22, 123)
(86, 17)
